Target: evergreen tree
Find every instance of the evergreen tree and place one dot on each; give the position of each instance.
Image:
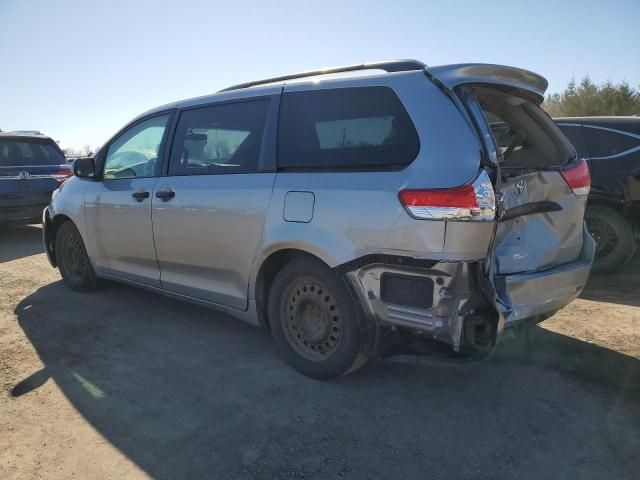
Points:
(590, 99)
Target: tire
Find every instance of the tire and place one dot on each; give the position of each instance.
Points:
(315, 321)
(614, 238)
(73, 261)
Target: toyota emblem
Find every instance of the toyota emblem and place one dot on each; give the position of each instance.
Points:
(520, 187)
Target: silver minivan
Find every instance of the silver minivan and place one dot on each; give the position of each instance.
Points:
(341, 212)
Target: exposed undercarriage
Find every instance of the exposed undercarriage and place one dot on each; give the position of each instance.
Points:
(416, 305)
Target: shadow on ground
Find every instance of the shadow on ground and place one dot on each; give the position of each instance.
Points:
(185, 392)
(622, 287)
(20, 241)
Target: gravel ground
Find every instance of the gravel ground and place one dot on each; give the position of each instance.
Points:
(122, 383)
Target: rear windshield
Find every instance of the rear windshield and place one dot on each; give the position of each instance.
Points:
(526, 137)
(25, 152)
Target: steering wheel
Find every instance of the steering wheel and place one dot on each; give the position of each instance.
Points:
(127, 159)
(130, 157)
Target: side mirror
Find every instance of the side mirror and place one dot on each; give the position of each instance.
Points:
(84, 167)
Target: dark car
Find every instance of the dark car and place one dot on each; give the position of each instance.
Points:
(612, 147)
(32, 166)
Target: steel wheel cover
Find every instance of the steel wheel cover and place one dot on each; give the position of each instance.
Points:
(73, 257)
(311, 319)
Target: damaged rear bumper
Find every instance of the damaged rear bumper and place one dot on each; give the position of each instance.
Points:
(440, 296)
(538, 295)
(455, 302)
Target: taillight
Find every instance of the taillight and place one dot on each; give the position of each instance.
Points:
(578, 178)
(62, 174)
(474, 201)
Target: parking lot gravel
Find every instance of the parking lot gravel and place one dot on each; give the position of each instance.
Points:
(123, 383)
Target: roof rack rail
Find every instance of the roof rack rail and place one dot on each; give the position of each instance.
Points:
(391, 66)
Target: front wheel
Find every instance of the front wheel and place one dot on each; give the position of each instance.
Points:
(72, 258)
(615, 242)
(314, 320)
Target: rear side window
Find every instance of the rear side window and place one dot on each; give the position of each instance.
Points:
(22, 153)
(223, 138)
(605, 143)
(346, 128)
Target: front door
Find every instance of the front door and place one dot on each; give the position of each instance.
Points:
(118, 208)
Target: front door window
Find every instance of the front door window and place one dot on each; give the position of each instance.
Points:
(134, 154)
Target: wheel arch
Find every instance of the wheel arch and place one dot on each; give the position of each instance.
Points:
(619, 225)
(269, 268)
(50, 230)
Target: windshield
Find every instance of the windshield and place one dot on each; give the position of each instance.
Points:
(25, 152)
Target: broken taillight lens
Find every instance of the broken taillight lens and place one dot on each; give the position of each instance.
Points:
(473, 201)
(578, 178)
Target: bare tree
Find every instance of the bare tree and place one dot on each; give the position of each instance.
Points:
(71, 152)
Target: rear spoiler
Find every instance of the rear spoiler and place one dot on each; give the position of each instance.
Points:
(468, 73)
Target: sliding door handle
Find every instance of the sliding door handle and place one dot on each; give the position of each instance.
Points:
(165, 194)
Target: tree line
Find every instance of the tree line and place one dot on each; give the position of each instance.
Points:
(590, 99)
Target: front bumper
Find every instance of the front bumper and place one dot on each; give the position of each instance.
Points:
(47, 234)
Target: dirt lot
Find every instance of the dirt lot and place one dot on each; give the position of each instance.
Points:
(121, 383)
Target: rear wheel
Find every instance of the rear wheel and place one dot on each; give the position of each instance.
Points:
(72, 259)
(615, 242)
(314, 320)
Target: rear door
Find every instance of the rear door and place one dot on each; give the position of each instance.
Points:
(614, 156)
(209, 211)
(543, 206)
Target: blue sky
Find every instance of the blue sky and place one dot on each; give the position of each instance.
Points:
(79, 70)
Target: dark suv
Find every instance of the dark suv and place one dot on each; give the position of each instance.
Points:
(32, 166)
(612, 147)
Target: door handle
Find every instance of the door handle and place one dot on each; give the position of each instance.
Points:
(140, 195)
(165, 194)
